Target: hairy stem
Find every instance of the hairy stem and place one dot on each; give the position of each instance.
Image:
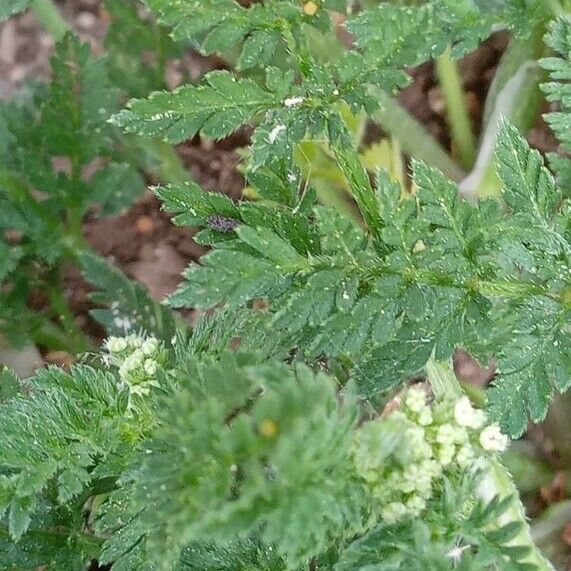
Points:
(414, 140)
(50, 18)
(457, 115)
(498, 482)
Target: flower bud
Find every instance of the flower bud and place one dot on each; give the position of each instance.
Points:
(466, 415)
(492, 439)
(116, 344)
(393, 512)
(150, 366)
(149, 346)
(415, 400)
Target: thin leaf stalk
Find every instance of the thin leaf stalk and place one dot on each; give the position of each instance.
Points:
(457, 115)
(413, 138)
(515, 94)
(50, 18)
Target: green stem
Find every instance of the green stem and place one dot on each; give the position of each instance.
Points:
(74, 212)
(457, 115)
(414, 140)
(557, 427)
(513, 289)
(498, 482)
(442, 379)
(359, 184)
(161, 64)
(50, 18)
(518, 52)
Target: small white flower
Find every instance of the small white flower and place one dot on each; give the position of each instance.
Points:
(410, 478)
(446, 453)
(393, 512)
(150, 366)
(415, 504)
(141, 390)
(116, 344)
(492, 439)
(131, 363)
(415, 400)
(464, 456)
(466, 415)
(149, 346)
(446, 434)
(418, 446)
(137, 357)
(432, 468)
(134, 341)
(124, 370)
(425, 417)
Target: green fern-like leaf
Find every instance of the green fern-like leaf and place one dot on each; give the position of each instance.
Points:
(217, 108)
(263, 31)
(58, 434)
(535, 355)
(10, 7)
(559, 88)
(249, 429)
(129, 306)
(430, 280)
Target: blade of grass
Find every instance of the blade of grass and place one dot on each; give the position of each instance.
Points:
(50, 18)
(457, 116)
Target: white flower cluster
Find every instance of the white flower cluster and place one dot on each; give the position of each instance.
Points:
(138, 359)
(401, 457)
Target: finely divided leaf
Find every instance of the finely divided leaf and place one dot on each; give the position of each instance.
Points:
(129, 306)
(216, 108)
(559, 88)
(10, 7)
(528, 186)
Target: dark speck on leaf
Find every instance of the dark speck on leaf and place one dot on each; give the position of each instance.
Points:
(222, 223)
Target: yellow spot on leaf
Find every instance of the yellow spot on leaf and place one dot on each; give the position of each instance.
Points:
(268, 428)
(310, 8)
